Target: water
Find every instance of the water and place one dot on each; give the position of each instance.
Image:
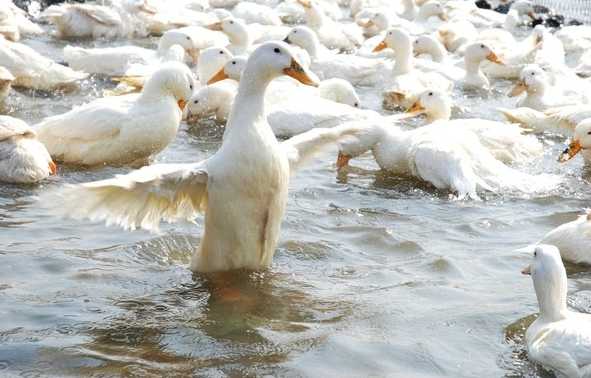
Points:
(374, 275)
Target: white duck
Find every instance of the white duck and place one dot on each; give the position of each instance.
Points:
(559, 339)
(115, 61)
(506, 142)
(448, 158)
(121, 130)
(572, 239)
(581, 142)
(474, 55)
(237, 32)
(6, 80)
(356, 69)
(334, 35)
(32, 70)
(211, 60)
(14, 22)
(23, 159)
(87, 20)
(242, 188)
(534, 81)
(561, 119)
(408, 79)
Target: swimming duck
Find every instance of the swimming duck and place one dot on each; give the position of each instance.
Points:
(581, 142)
(559, 339)
(124, 129)
(32, 70)
(334, 35)
(443, 156)
(408, 81)
(327, 65)
(561, 119)
(505, 141)
(115, 61)
(237, 32)
(246, 179)
(6, 80)
(23, 159)
(572, 240)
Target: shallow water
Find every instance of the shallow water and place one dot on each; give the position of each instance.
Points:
(374, 275)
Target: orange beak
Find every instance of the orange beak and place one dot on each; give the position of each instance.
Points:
(494, 58)
(298, 72)
(305, 3)
(219, 76)
(416, 107)
(342, 160)
(573, 148)
(526, 270)
(381, 46)
(518, 89)
(52, 168)
(181, 104)
(217, 26)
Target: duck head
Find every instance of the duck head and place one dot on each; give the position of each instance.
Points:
(532, 79)
(477, 52)
(172, 37)
(171, 79)
(549, 277)
(581, 141)
(304, 37)
(434, 104)
(427, 44)
(234, 28)
(398, 40)
(271, 60)
(430, 9)
(340, 91)
(212, 60)
(231, 70)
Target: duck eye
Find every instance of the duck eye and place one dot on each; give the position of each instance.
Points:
(277, 51)
(295, 32)
(196, 102)
(191, 86)
(221, 52)
(589, 133)
(356, 104)
(430, 93)
(188, 38)
(234, 62)
(535, 253)
(232, 22)
(481, 46)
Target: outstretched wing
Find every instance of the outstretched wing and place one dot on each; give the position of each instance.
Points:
(141, 198)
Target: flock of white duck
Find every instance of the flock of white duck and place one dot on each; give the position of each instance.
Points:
(264, 79)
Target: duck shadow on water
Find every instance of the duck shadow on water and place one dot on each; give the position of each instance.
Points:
(230, 322)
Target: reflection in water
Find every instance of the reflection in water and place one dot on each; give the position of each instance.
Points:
(224, 322)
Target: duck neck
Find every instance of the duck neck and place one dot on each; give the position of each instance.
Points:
(404, 63)
(240, 39)
(537, 91)
(312, 46)
(551, 294)
(314, 16)
(410, 9)
(437, 53)
(472, 66)
(249, 103)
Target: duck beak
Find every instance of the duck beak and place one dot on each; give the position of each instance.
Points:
(518, 89)
(217, 26)
(343, 160)
(573, 148)
(194, 54)
(367, 24)
(52, 168)
(494, 58)
(298, 72)
(219, 76)
(381, 46)
(181, 104)
(417, 107)
(305, 3)
(286, 40)
(527, 270)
